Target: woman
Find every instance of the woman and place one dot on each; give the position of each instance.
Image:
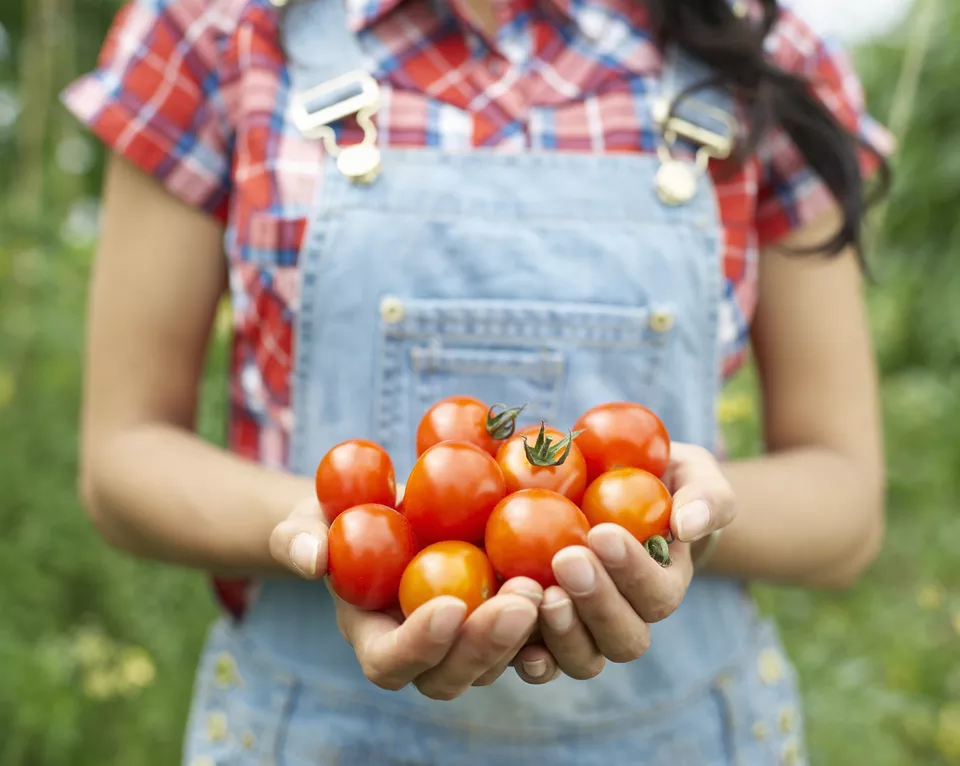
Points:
(551, 202)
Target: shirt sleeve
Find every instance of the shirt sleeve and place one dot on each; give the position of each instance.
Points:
(790, 193)
(155, 98)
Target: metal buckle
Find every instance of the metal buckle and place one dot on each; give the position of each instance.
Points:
(676, 181)
(672, 126)
(353, 93)
(364, 95)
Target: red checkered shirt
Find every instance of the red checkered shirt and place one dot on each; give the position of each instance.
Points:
(194, 92)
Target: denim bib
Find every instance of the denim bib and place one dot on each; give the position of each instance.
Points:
(556, 279)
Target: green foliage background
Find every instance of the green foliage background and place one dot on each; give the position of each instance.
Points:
(97, 651)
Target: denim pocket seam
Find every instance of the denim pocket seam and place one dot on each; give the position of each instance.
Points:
(579, 325)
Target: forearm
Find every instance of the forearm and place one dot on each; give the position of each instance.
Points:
(804, 517)
(161, 492)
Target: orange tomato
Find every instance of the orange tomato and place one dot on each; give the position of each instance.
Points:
(525, 467)
(449, 568)
(633, 498)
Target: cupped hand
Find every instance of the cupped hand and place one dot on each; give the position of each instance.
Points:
(611, 591)
(435, 649)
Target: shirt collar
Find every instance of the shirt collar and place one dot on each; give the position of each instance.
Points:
(592, 18)
(363, 14)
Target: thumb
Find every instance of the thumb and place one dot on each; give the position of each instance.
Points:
(703, 501)
(299, 542)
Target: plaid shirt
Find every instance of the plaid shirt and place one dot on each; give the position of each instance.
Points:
(195, 93)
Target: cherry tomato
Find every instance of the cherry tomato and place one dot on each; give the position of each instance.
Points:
(555, 464)
(451, 491)
(450, 568)
(463, 418)
(631, 497)
(368, 547)
(353, 473)
(528, 528)
(622, 434)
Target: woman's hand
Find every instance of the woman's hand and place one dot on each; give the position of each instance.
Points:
(435, 649)
(612, 591)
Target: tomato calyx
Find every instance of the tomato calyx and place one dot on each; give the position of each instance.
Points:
(656, 546)
(501, 425)
(544, 453)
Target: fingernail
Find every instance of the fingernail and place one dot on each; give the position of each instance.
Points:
(693, 520)
(511, 625)
(446, 621)
(535, 669)
(304, 551)
(608, 544)
(558, 615)
(575, 572)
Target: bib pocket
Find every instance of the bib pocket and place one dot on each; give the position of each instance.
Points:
(557, 358)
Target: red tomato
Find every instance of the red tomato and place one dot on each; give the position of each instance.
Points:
(533, 464)
(636, 500)
(528, 528)
(463, 418)
(368, 547)
(622, 434)
(451, 491)
(353, 473)
(451, 568)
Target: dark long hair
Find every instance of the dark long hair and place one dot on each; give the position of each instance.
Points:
(733, 47)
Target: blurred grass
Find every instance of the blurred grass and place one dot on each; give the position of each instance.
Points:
(97, 651)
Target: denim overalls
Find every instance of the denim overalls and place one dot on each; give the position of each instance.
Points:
(561, 280)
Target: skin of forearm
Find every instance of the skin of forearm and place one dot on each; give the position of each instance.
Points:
(161, 492)
(805, 517)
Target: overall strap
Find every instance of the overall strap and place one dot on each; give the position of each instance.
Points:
(319, 44)
(704, 106)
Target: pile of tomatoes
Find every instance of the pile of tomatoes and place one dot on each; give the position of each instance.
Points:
(486, 502)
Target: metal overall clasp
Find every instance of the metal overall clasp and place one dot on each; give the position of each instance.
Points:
(676, 180)
(354, 93)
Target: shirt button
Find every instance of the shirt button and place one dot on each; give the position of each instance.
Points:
(759, 731)
(392, 309)
(661, 321)
(278, 3)
(203, 761)
(248, 740)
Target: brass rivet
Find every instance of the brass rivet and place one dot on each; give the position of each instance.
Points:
(661, 321)
(785, 719)
(225, 670)
(217, 726)
(392, 309)
(769, 666)
(759, 731)
(248, 740)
